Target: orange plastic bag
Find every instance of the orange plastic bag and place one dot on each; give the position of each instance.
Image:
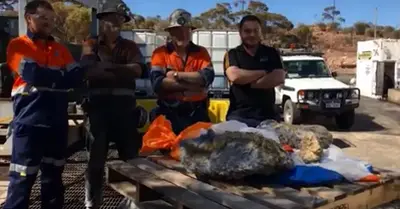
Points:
(160, 136)
(370, 178)
(190, 132)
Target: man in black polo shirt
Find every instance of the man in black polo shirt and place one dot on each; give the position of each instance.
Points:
(253, 70)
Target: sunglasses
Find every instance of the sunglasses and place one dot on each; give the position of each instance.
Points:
(45, 18)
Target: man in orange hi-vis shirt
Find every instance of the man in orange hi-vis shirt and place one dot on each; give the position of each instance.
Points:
(45, 70)
(180, 74)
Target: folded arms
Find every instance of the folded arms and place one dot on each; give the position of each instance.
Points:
(260, 79)
(167, 81)
(101, 68)
(67, 75)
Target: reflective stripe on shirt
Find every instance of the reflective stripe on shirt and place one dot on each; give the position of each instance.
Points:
(22, 169)
(22, 90)
(113, 92)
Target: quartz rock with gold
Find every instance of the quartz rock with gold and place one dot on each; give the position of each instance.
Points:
(309, 139)
(233, 155)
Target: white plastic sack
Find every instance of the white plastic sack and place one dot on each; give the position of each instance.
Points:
(296, 158)
(335, 160)
(234, 125)
(352, 169)
(231, 125)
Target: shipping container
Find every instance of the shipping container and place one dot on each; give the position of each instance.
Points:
(217, 42)
(378, 66)
(146, 40)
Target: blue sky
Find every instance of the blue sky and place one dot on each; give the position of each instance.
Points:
(298, 11)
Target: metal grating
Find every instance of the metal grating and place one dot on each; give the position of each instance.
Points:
(73, 178)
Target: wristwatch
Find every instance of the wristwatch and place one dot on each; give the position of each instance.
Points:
(175, 75)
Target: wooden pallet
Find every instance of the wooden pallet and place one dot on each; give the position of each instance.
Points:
(160, 178)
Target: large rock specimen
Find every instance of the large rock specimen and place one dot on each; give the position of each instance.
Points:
(233, 155)
(309, 139)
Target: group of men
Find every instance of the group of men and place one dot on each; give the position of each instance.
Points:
(181, 73)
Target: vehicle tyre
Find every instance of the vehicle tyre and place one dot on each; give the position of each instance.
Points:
(291, 115)
(345, 120)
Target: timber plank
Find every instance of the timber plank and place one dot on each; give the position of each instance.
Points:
(158, 204)
(349, 188)
(3, 191)
(171, 164)
(259, 196)
(325, 192)
(178, 194)
(345, 195)
(248, 192)
(387, 174)
(302, 198)
(369, 198)
(3, 131)
(206, 190)
(125, 188)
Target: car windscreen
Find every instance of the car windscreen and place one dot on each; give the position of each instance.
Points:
(219, 82)
(306, 68)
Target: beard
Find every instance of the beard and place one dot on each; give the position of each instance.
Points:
(251, 46)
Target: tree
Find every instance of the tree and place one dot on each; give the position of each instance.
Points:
(77, 24)
(361, 27)
(304, 33)
(396, 34)
(9, 13)
(7, 4)
(322, 26)
(332, 15)
(219, 17)
(72, 23)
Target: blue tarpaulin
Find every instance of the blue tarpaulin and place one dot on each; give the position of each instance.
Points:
(301, 176)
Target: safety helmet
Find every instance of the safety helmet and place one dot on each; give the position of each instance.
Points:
(114, 6)
(180, 18)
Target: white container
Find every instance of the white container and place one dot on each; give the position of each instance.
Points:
(375, 59)
(217, 42)
(147, 41)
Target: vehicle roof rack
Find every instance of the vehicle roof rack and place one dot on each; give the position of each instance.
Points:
(298, 52)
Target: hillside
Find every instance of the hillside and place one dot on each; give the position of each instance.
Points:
(340, 50)
(328, 34)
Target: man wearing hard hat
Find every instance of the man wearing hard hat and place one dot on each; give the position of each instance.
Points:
(111, 102)
(181, 72)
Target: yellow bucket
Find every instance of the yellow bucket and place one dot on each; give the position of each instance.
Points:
(217, 109)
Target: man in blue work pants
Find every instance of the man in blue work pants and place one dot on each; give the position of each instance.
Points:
(44, 72)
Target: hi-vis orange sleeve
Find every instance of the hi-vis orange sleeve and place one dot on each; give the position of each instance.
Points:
(15, 55)
(158, 58)
(206, 59)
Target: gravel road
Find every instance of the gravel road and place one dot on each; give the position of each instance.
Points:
(375, 137)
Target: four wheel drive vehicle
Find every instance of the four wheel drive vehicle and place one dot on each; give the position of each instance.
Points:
(310, 89)
(219, 89)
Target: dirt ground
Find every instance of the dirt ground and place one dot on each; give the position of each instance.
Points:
(375, 137)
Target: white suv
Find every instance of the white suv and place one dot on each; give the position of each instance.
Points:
(311, 89)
